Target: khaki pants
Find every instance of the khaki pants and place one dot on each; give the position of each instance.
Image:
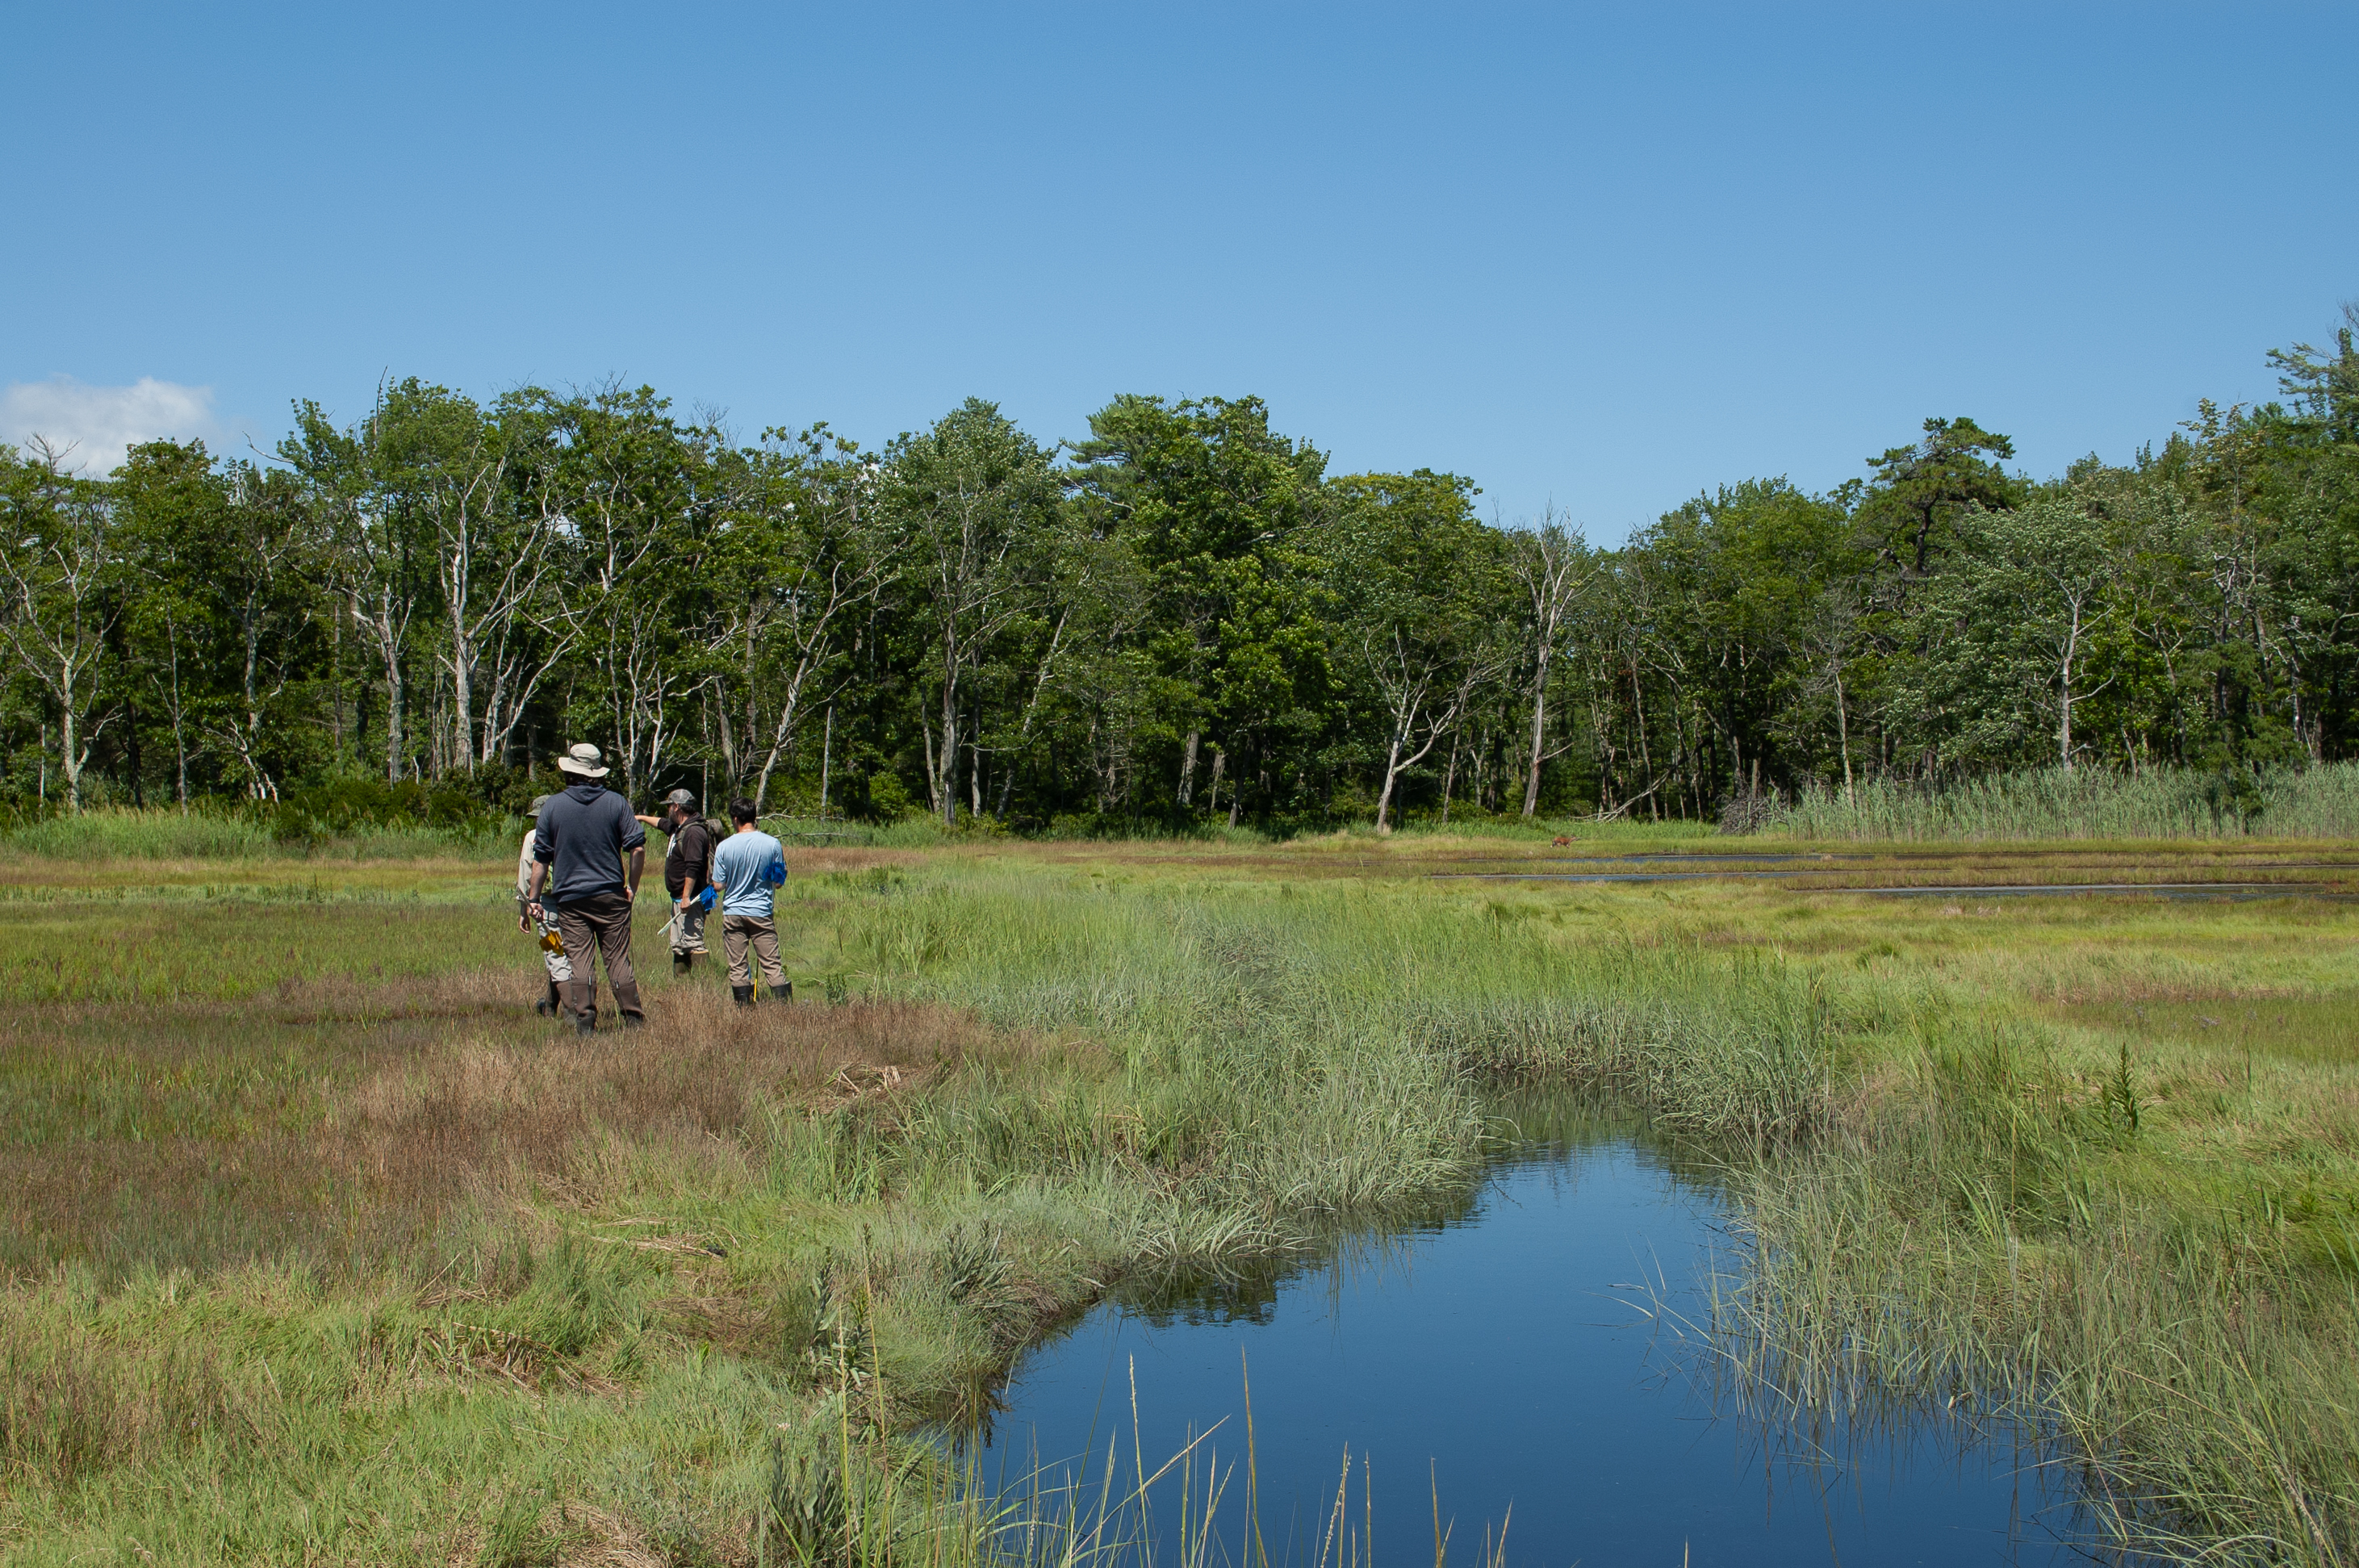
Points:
(595, 927)
(688, 932)
(561, 968)
(737, 932)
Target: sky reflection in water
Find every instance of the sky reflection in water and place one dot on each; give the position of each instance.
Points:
(1507, 1348)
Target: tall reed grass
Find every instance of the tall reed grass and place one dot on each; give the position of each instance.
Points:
(2320, 802)
(1343, 1036)
(206, 833)
(1511, 828)
(1981, 1244)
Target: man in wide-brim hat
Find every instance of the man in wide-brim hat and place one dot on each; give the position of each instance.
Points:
(588, 852)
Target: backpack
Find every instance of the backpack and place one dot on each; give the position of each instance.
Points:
(715, 834)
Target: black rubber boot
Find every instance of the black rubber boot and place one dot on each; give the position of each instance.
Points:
(681, 964)
(586, 1022)
(785, 993)
(744, 994)
(551, 1006)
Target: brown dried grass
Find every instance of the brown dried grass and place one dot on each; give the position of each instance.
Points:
(344, 1120)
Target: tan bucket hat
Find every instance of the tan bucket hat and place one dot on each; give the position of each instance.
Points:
(583, 761)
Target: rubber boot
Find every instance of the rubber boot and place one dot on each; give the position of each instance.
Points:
(627, 1003)
(681, 964)
(586, 1022)
(744, 994)
(580, 1005)
(784, 993)
(552, 1006)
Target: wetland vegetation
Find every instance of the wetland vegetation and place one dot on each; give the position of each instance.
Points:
(318, 1246)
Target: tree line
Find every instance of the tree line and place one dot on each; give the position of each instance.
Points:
(1182, 617)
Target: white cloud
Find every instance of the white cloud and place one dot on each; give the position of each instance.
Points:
(93, 426)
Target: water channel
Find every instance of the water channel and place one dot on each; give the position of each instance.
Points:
(1509, 1355)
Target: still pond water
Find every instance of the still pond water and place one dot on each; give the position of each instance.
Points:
(1504, 1355)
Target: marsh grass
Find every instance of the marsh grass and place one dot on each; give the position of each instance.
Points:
(490, 1292)
(2087, 803)
(209, 833)
(1510, 828)
(80, 953)
(1349, 1032)
(2322, 1028)
(1116, 1503)
(234, 1127)
(2006, 1240)
(343, 1123)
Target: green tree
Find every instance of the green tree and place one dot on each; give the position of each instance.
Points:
(60, 595)
(1420, 599)
(797, 554)
(1744, 577)
(226, 555)
(1216, 507)
(976, 503)
(1908, 511)
(381, 558)
(1552, 570)
(2022, 620)
(641, 497)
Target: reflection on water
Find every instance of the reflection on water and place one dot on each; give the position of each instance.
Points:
(1518, 1351)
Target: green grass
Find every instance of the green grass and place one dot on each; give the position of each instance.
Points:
(2090, 803)
(2295, 1027)
(928, 832)
(317, 1245)
(208, 832)
(1585, 831)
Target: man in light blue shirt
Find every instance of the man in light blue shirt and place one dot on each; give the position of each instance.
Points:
(749, 868)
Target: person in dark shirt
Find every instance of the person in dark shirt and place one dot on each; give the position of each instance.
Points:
(688, 871)
(588, 855)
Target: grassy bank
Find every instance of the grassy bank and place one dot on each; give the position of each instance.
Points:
(319, 1246)
(211, 833)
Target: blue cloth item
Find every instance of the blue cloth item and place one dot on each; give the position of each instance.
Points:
(741, 869)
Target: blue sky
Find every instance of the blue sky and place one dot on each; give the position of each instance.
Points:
(1602, 256)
